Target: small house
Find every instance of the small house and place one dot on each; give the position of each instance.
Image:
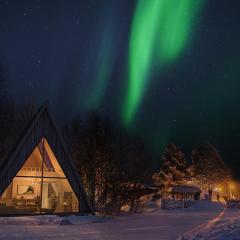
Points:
(184, 192)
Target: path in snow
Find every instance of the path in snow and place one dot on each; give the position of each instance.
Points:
(155, 225)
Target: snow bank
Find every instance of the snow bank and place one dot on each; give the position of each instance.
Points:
(204, 205)
(151, 206)
(226, 229)
(50, 220)
(222, 227)
(76, 220)
(197, 206)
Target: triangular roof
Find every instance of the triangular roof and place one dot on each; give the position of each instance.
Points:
(43, 126)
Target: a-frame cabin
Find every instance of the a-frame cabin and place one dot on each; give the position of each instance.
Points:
(38, 174)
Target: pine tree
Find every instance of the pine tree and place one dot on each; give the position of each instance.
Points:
(174, 169)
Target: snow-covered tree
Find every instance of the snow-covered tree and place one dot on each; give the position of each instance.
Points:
(174, 169)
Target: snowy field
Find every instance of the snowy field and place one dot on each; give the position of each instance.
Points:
(202, 221)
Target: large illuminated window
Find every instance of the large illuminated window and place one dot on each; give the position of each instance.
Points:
(40, 186)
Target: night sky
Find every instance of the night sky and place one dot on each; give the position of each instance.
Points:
(168, 70)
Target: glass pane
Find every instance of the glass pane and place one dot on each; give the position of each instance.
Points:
(33, 166)
(22, 196)
(51, 167)
(29, 193)
(58, 196)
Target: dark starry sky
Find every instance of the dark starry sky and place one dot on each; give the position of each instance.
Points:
(53, 49)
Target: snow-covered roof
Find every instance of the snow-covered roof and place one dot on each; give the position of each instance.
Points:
(184, 189)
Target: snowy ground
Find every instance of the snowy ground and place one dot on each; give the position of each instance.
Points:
(226, 226)
(154, 224)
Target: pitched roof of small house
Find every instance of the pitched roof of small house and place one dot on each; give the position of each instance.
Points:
(41, 126)
(184, 189)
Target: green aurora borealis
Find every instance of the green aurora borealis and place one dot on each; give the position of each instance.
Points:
(104, 62)
(160, 32)
(164, 70)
